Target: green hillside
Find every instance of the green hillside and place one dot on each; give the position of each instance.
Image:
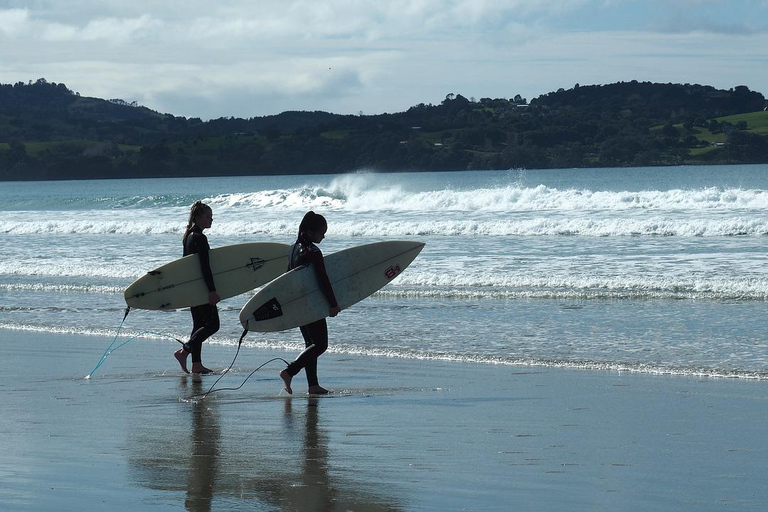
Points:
(50, 132)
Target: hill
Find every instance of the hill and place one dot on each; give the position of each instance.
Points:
(50, 132)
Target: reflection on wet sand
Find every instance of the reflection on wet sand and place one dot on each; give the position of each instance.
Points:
(201, 479)
(170, 451)
(262, 454)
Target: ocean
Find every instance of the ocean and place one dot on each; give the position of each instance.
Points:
(650, 270)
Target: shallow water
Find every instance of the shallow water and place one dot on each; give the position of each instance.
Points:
(658, 270)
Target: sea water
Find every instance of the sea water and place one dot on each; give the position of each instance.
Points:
(658, 270)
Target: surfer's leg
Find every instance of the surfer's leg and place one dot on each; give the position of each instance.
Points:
(295, 366)
(317, 336)
(198, 332)
(316, 340)
(310, 354)
(206, 323)
(188, 347)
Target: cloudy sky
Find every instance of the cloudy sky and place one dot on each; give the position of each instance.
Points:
(246, 58)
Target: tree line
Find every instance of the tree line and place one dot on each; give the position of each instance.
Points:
(48, 131)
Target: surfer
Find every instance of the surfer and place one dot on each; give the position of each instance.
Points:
(304, 252)
(205, 317)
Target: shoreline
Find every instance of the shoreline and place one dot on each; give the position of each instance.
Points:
(383, 171)
(639, 368)
(397, 434)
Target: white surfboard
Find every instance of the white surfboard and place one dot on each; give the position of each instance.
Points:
(236, 269)
(295, 298)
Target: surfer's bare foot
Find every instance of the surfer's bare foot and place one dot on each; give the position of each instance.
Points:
(318, 390)
(199, 368)
(181, 357)
(287, 381)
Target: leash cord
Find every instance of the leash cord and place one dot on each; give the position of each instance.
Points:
(109, 349)
(239, 343)
(211, 390)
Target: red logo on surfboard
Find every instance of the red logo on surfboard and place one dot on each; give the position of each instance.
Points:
(392, 271)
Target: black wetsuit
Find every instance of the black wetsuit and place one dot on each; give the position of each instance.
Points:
(316, 333)
(205, 317)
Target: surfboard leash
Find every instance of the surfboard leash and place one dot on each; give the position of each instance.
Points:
(239, 342)
(109, 349)
(237, 352)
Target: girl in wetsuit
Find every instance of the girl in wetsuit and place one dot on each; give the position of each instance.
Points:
(304, 252)
(205, 317)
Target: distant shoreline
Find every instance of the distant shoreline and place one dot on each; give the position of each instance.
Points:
(47, 132)
(375, 172)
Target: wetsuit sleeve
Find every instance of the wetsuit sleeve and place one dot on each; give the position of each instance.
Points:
(203, 250)
(316, 259)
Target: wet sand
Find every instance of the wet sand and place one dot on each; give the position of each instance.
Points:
(396, 435)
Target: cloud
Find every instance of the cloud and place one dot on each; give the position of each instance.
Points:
(242, 58)
(710, 16)
(18, 24)
(242, 88)
(119, 30)
(13, 22)
(109, 30)
(301, 19)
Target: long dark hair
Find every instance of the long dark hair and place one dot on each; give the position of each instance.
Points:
(311, 222)
(198, 208)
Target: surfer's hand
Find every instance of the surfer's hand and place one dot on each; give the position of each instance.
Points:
(335, 310)
(213, 298)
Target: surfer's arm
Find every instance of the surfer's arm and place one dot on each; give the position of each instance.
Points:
(205, 261)
(318, 264)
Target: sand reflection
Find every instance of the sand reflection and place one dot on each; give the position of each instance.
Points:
(232, 453)
(205, 433)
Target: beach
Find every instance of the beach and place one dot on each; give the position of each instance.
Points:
(396, 434)
(567, 340)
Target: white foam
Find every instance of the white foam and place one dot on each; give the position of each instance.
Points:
(355, 193)
(587, 225)
(360, 207)
(60, 288)
(645, 368)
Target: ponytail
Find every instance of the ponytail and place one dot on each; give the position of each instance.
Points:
(197, 208)
(311, 222)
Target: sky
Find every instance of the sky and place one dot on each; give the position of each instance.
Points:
(251, 58)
